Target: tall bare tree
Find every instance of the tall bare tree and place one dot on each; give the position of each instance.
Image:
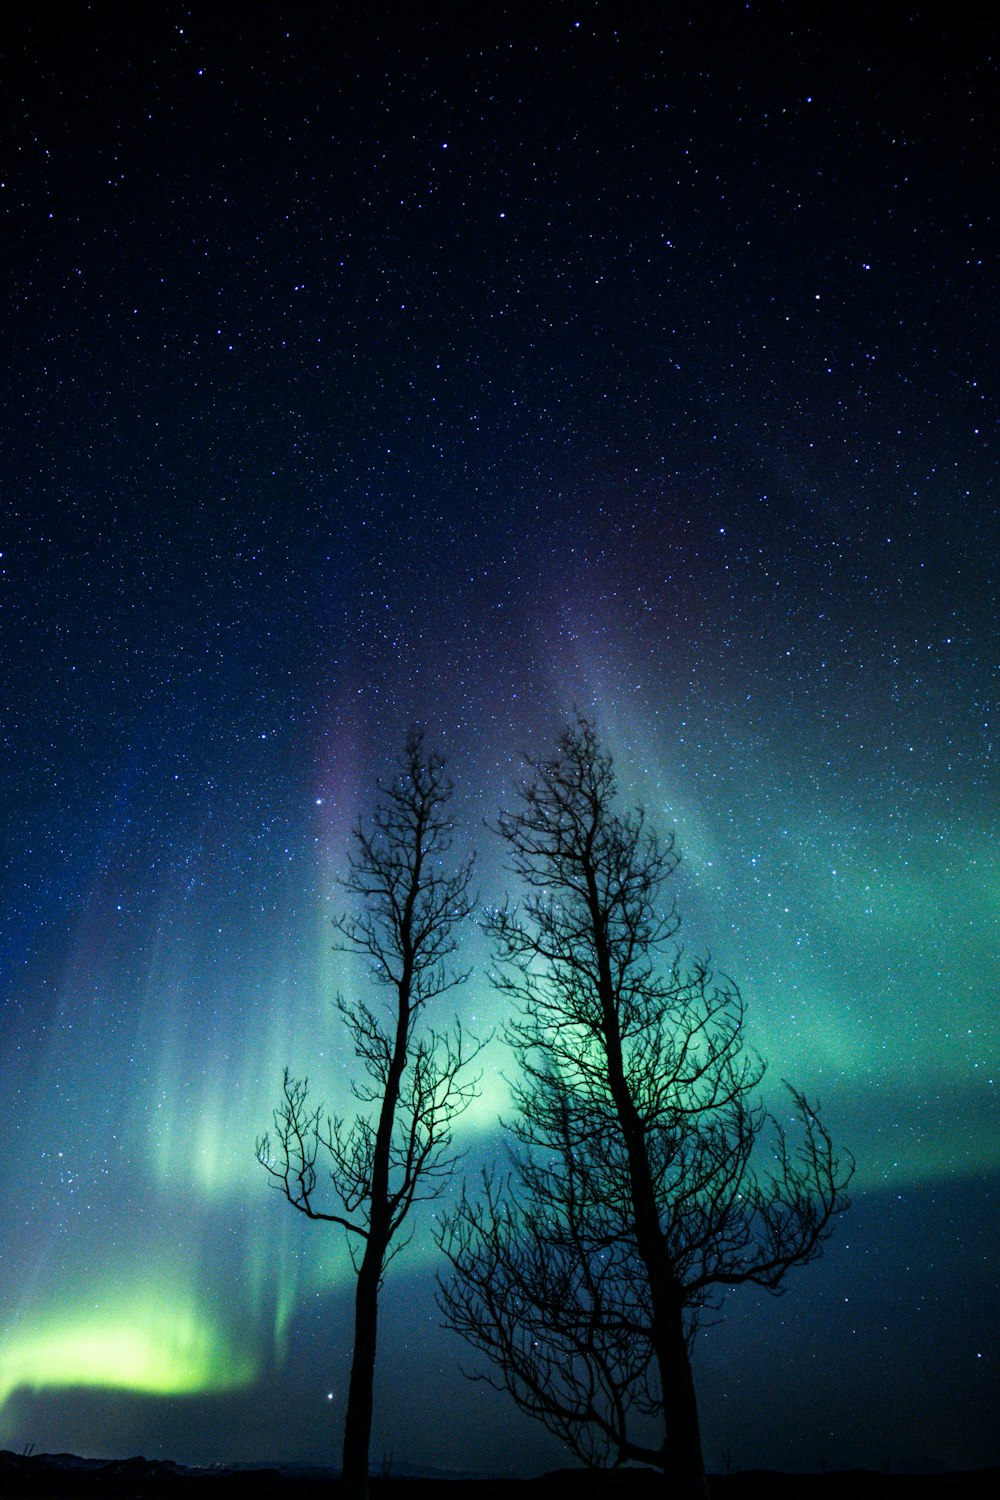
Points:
(414, 1081)
(647, 1177)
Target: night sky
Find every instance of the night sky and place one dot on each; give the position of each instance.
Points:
(467, 368)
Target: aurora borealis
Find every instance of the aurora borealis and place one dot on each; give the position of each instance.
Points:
(465, 369)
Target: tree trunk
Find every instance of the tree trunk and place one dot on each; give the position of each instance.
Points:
(358, 1421)
(683, 1459)
(685, 1463)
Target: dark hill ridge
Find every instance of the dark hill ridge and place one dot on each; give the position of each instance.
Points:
(63, 1476)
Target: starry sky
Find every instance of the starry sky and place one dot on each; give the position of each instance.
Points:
(466, 367)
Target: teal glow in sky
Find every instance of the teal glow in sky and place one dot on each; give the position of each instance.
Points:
(666, 390)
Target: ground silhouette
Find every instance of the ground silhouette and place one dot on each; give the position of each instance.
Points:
(63, 1476)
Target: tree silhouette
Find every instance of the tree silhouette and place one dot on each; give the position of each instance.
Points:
(647, 1176)
(414, 1083)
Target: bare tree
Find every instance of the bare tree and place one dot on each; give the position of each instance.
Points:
(647, 1177)
(414, 1081)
